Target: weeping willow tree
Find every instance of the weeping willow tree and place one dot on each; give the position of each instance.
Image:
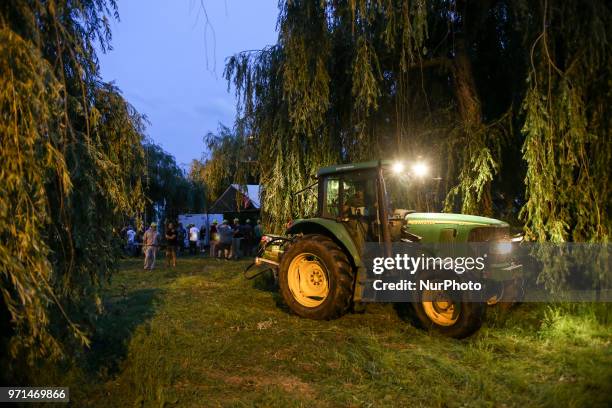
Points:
(229, 159)
(225, 163)
(70, 169)
(568, 125)
(356, 80)
(284, 90)
(464, 84)
(168, 190)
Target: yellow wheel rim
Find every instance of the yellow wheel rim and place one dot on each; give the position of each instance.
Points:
(307, 280)
(441, 309)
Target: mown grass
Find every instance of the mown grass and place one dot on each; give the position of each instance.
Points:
(201, 335)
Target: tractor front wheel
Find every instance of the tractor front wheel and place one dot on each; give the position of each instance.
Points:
(450, 314)
(316, 279)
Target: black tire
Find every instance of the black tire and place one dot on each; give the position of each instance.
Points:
(470, 317)
(509, 293)
(340, 277)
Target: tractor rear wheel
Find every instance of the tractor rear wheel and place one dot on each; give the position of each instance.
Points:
(450, 314)
(316, 279)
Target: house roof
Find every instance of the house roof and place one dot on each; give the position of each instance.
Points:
(227, 201)
(252, 193)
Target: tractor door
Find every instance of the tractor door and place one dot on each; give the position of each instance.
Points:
(350, 198)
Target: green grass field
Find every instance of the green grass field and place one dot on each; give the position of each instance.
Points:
(201, 335)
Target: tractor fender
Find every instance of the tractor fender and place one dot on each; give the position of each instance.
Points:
(332, 229)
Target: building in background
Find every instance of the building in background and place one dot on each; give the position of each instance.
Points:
(238, 201)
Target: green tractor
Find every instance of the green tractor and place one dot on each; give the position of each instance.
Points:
(319, 262)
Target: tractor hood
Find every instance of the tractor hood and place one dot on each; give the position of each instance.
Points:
(456, 219)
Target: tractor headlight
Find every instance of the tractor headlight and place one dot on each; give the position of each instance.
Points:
(420, 169)
(502, 248)
(398, 167)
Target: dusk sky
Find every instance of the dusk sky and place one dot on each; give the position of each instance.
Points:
(159, 61)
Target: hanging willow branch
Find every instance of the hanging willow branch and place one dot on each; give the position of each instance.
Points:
(359, 80)
(70, 162)
(288, 101)
(568, 124)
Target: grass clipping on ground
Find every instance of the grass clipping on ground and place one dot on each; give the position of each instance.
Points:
(201, 335)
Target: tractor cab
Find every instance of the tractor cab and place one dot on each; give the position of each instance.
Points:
(357, 195)
(351, 196)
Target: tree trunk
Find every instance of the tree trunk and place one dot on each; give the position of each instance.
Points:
(465, 87)
(470, 110)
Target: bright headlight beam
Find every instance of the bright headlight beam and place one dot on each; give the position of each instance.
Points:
(398, 167)
(503, 248)
(420, 169)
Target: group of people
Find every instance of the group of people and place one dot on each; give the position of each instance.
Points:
(226, 241)
(235, 240)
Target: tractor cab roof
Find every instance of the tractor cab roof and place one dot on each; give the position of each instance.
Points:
(343, 168)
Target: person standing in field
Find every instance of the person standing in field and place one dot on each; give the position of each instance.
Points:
(202, 237)
(138, 245)
(225, 239)
(194, 233)
(257, 233)
(214, 239)
(172, 243)
(246, 230)
(131, 240)
(180, 234)
(237, 232)
(150, 242)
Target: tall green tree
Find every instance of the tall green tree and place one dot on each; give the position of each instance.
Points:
(453, 81)
(70, 168)
(199, 191)
(169, 191)
(230, 158)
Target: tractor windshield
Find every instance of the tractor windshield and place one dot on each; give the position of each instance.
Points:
(350, 195)
(405, 192)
